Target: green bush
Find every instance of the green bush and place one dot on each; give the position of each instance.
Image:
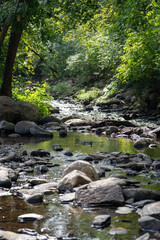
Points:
(88, 95)
(62, 88)
(36, 95)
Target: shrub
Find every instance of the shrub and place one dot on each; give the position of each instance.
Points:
(88, 95)
(36, 95)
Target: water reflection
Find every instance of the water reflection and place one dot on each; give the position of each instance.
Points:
(99, 144)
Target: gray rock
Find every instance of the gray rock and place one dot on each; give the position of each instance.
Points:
(57, 147)
(67, 198)
(149, 223)
(99, 196)
(36, 198)
(28, 111)
(7, 235)
(124, 210)
(38, 131)
(152, 209)
(101, 221)
(30, 217)
(146, 236)
(7, 126)
(5, 180)
(140, 194)
(75, 178)
(40, 153)
(156, 131)
(141, 143)
(107, 182)
(23, 127)
(84, 167)
(118, 231)
(8, 110)
(48, 119)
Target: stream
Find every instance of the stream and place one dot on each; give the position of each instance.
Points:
(64, 220)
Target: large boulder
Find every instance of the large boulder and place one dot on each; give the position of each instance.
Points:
(13, 111)
(27, 127)
(8, 109)
(84, 167)
(99, 196)
(7, 126)
(139, 194)
(75, 178)
(28, 111)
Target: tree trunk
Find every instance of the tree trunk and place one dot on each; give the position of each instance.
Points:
(4, 31)
(6, 88)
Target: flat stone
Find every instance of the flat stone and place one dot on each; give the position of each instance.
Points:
(101, 221)
(8, 235)
(124, 210)
(68, 197)
(100, 196)
(149, 223)
(30, 217)
(107, 182)
(152, 209)
(146, 236)
(118, 231)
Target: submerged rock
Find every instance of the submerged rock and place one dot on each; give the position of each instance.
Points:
(141, 143)
(30, 217)
(101, 221)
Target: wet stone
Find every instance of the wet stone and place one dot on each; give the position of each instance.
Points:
(29, 217)
(118, 231)
(101, 221)
(57, 147)
(148, 223)
(40, 153)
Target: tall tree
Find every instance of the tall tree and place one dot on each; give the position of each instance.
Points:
(17, 16)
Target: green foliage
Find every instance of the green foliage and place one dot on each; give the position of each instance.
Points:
(37, 95)
(88, 95)
(62, 89)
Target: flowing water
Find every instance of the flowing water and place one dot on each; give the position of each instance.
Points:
(61, 219)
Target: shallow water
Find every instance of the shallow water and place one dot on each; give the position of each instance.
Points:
(59, 220)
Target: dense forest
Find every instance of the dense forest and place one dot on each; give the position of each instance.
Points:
(79, 44)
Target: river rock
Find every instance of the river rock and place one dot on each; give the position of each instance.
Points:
(8, 235)
(139, 194)
(100, 196)
(101, 221)
(141, 143)
(152, 209)
(49, 118)
(67, 197)
(149, 223)
(37, 181)
(5, 180)
(62, 133)
(8, 110)
(7, 126)
(75, 178)
(38, 131)
(118, 231)
(57, 147)
(156, 131)
(30, 217)
(40, 153)
(107, 182)
(84, 167)
(23, 127)
(145, 236)
(28, 111)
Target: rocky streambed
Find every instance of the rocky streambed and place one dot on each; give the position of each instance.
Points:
(76, 178)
